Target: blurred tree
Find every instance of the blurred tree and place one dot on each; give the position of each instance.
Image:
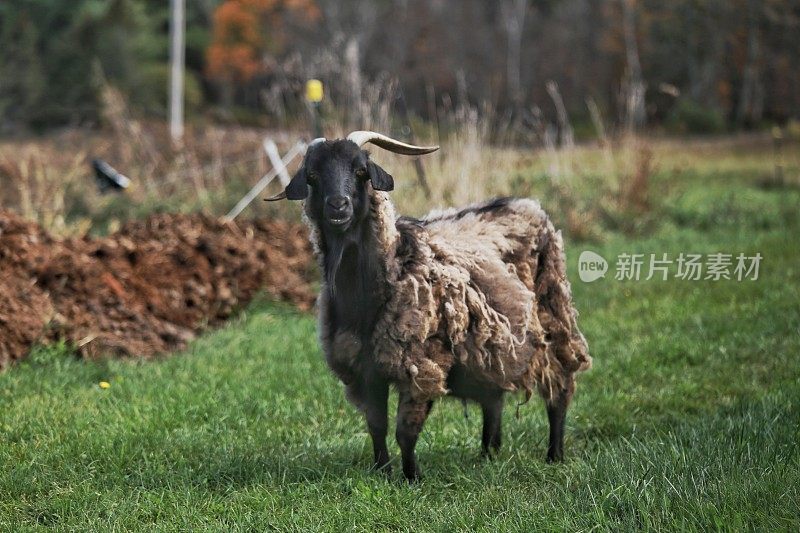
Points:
(634, 82)
(21, 76)
(69, 37)
(244, 31)
(751, 95)
(514, 22)
(49, 51)
(698, 59)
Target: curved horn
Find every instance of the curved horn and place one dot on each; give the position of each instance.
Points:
(387, 143)
(280, 196)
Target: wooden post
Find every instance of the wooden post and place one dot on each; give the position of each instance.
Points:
(177, 60)
(408, 134)
(777, 140)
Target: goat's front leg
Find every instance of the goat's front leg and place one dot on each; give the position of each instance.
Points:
(411, 417)
(376, 409)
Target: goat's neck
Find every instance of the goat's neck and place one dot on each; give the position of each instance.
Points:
(355, 272)
(355, 284)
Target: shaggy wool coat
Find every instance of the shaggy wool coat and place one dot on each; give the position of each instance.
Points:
(484, 286)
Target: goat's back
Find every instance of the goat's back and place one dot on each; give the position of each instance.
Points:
(485, 286)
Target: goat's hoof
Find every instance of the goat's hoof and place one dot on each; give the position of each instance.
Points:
(385, 468)
(488, 454)
(553, 458)
(412, 478)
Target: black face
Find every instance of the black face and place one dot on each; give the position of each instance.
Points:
(334, 179)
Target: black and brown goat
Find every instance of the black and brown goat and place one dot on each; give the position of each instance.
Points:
(470, 303)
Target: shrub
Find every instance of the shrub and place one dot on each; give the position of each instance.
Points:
(793, 129)
(149, 92)
(689, 116)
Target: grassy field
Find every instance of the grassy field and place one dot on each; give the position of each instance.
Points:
(690, 418)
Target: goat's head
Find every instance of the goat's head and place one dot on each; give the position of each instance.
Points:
(334, 174)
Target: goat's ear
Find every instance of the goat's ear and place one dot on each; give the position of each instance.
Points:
(381, 180)
(298, 187)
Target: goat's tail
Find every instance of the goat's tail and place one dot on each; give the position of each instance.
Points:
(567, 350)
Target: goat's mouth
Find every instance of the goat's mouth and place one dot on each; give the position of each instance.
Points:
(340, 220)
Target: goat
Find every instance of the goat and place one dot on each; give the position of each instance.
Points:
(471, 303)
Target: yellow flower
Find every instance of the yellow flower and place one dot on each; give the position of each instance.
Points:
(104, 384)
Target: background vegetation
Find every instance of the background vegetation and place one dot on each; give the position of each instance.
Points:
(698, 66)
(689, 419)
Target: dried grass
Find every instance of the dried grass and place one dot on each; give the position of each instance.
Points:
(585, 188)
(50, 179)
(39, 188)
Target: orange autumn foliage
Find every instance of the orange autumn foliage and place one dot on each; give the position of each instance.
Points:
(244, 30)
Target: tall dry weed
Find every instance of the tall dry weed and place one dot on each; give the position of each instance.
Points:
(37, 188)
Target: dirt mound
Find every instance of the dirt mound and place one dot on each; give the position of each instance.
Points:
(146, 289)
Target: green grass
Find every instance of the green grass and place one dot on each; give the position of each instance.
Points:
(689, 419)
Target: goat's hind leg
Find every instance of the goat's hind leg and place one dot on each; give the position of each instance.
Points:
(557, 406)
(492, 408)
(411, 416)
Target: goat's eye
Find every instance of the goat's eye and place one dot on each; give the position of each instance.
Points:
(361, 172)
(311, 176)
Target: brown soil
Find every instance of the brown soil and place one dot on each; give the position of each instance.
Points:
(146, 289)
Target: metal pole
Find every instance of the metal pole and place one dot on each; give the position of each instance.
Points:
(177, 60)
(315, 110)
(314, 95)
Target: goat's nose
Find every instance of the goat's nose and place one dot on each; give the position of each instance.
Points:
(338, 202)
